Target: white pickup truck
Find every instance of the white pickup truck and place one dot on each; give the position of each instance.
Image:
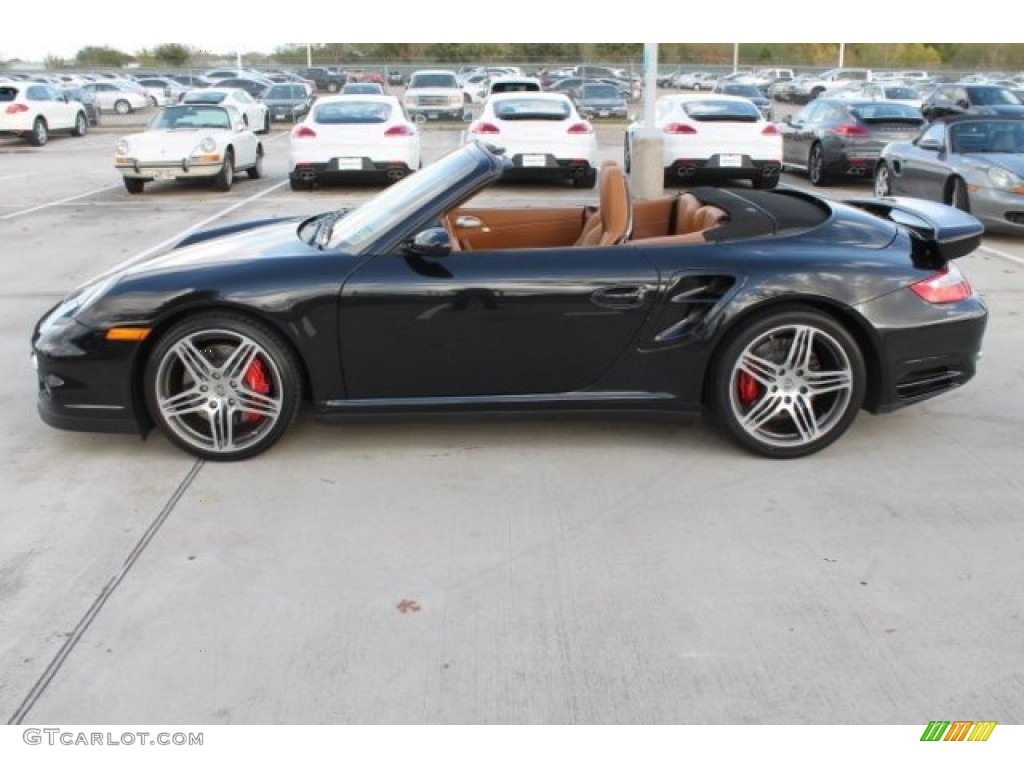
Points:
(809, 89)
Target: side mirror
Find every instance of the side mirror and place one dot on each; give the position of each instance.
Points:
(433, 243)
(963, 104)
(930, 144)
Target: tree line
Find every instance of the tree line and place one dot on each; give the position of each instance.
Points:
(879, 55)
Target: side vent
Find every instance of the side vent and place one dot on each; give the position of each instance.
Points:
(691, 299)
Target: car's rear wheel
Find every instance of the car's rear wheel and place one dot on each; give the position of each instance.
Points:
(765, 182)
(883, 181)
(40, 133)
(122, 107)
(958, 197)
(299, 185)
(81, 125)
(586, 180)
(816, 167)
(134, 186)
(222, 386)
(256, 171)
(226, 177)
(789, 383)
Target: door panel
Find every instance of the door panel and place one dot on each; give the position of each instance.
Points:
(480, 323)
(485, 229)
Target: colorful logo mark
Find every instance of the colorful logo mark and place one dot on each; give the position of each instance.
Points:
(958, 730)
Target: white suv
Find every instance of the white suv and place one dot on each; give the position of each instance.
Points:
(35, 110)
(808, 90)
(434, 93)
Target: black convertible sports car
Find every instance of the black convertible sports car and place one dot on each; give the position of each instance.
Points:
(782, 313)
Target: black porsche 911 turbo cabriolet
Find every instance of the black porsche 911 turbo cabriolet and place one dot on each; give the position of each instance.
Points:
(781, 313)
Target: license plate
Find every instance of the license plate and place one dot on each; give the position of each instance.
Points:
(604, 113)
(730, 161)
(534, 161)
(349, 163)
(164, 175)
(432, 115)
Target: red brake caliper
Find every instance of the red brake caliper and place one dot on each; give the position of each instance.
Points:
(747, 388)
(256, 379)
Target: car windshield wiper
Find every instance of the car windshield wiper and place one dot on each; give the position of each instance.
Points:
(322, 234)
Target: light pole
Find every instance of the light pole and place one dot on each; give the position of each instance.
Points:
(647, 171)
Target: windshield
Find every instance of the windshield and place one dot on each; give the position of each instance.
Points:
(737, 89)
(992, 96)
(392, 206)
(901, 93)
(352, 112)
(531, 109)
(190, 117)
(882, 110)
(205, 97)
(987, 136)
(433, 80)
(285, 92)
(727, 111)
(599, 92)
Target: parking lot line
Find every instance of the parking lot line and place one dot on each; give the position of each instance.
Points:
(13, 176)
(16, 214)
(1003, 254)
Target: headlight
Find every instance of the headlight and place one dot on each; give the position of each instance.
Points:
(1003, 179)
(122, 147)
(79, 300)
(208, 144)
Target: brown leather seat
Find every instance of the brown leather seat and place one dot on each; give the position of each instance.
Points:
(692, 221)
(610, 224)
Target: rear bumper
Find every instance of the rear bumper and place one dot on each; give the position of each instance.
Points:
(328, 171)
(711, 168)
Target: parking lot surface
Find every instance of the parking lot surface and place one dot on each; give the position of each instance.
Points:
(513, 572)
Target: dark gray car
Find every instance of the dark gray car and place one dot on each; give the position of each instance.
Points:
(288, 101)
(975, 163)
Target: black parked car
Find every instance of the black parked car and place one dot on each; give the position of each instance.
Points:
(328, 80)
(971, 99)
(782, 313)
(255, 88)
(87, 99)
(748, 91)
(830, 138)
(288, 101)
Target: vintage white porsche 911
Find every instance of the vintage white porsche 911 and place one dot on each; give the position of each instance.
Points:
(188, 141)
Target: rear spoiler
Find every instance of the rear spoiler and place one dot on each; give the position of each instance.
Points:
(939, 232)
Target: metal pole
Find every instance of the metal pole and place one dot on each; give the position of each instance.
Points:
(650, 84)
(842, 50)
(735, 57)
(309, 54)
(647, 172)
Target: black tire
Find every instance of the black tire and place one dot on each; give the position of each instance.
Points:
(134, 186)
(883, 180)
(958, 196)
(81, 125)
(151, 100)
(226, 177)
(40, 133)
(587, 181)
(222, 386)
(765, 182)
(816, 167)
(298, 185)
(122, 107)
(266, 124)
(256, 172)
(816, 93)
(765, 380)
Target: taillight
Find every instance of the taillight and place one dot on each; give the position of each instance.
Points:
(946, 287)
(14, 109)
(581, 128)
(770, 130)
(303, 132)
(679, 128)
(484, 128)
(400, 130)
(849, 131)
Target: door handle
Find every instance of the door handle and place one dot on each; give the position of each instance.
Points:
(468, 222)
(620, 296)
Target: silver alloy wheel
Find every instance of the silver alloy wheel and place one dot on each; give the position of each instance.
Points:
(791, 386)
(204, 390)
(883, 184)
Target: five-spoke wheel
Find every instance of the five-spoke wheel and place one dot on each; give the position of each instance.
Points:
(790, 383)
(222, 386)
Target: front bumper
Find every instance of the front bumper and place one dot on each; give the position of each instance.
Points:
(998, 210)
(85, 382)
(133, 168)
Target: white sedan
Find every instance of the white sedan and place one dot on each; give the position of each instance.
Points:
(256, 113)
(542, 134)
(714, 137)
(353, 136)
(189, 141)
(117, 97)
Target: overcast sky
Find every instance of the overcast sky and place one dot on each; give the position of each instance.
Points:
(224, 27)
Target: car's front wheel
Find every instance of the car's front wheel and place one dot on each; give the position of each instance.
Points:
(883, 181)
(81, 125)
(134, 186)
(256, 171)
(958, 195)
(122, 107)
(789, 383)
(226, 177)
(223, 386)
